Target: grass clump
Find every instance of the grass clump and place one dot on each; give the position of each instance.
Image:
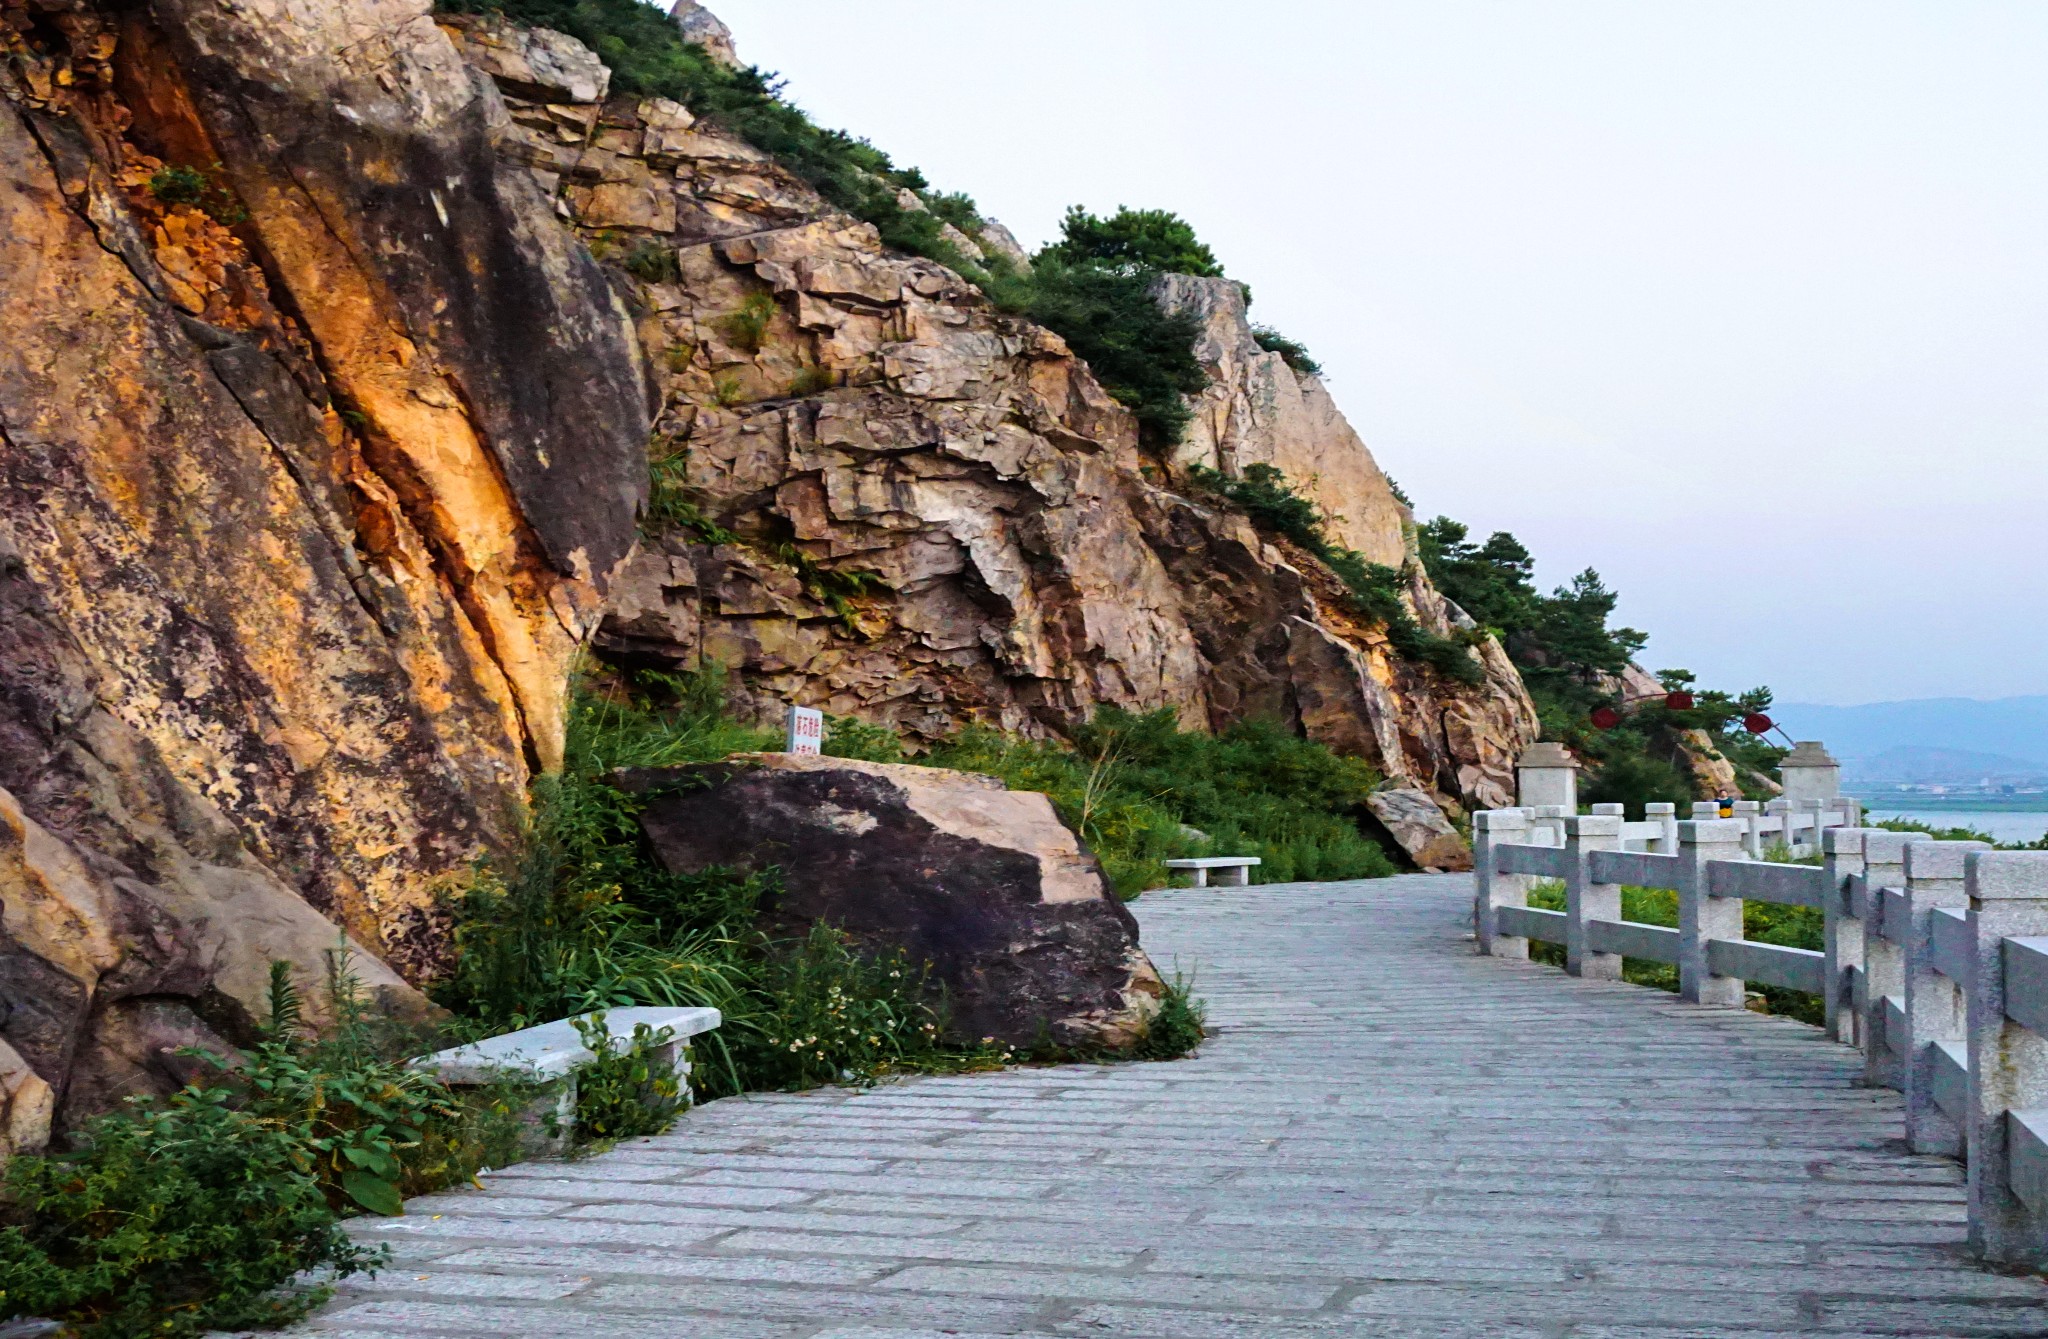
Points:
(746, 327)
(1376, 589)
(1132, 784)
(1179, 1025)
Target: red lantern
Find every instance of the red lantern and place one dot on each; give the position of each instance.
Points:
(1756, 723)
(1680, 701)
(1605, 718)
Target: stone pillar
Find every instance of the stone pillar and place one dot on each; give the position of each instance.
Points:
(1935, 1005)
(1659, 811)
(1493, 828)
(2008, 893)
(1548, 774)
(1546, 825)
(1750, 814)
(1884, 961)
(1844, 930)
(1810, 774)
(1585, 900)
(1702, 917)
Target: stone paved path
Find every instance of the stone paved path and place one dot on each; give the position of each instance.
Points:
(1388, 1136)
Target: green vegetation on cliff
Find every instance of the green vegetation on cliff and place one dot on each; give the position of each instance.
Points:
(1571, 658)
(1376, 590)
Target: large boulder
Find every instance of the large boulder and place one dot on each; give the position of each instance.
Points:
(1415, 823)
(985, 884)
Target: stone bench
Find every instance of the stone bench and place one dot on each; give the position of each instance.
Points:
(546, 1059)
(1235, 869)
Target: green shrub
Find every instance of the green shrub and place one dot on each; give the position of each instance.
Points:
(625, 1090)
(1297, 356)
(355, 1114)
(1376, 590)
(1142, 354)
(173, 1218)
(837, 1015)
(1137, 241)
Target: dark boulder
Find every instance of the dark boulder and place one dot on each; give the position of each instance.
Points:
(985, 884)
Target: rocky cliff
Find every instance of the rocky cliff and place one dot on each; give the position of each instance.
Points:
(337, 342)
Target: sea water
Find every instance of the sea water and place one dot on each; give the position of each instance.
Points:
(2004, 825)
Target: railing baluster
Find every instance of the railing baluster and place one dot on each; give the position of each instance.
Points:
(1884, 960)
(1702, 916)
(1935, 1006)
(1844, 931)
(2008, 893)
(1585, 900)
(1492, 829)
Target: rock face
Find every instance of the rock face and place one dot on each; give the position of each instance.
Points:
(1257, 410)
(985, 884)
(335, 338)
(907, 506)
(313, 466)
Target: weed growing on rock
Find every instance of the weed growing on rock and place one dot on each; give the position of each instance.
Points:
(628, 1089)
(746, 327)
(1176, 1029)
(652, 263)
(590, 920)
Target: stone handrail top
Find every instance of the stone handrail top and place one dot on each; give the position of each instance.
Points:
(1213, 862)
(555, 1050)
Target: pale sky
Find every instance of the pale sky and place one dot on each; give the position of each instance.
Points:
(1743, 303)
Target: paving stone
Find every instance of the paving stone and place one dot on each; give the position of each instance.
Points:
(1386, 1137)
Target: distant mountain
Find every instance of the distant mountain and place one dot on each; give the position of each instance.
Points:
(1917, 764)
(2013, 728)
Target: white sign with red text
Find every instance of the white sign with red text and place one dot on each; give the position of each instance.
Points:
(806, 730)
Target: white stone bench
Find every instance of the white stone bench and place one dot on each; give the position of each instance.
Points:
(546, 1059)
(1236, 870)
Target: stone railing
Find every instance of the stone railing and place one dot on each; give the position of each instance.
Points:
(1935, 965)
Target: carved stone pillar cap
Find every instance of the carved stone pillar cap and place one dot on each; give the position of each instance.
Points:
(1809, 753)
(1547, 755)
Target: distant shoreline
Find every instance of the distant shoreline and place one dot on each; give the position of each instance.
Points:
(2002, 804)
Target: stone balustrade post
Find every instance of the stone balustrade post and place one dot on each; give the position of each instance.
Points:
(1493, 828)
(1585, 900)
(1608, 810)
(1936, 1007)
(1703, 917)
(1660, 811)
(1844, 931)
(1705, 810)
(1749, 813)
(1547, 825)
(1884, 962)
(2008, 893)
